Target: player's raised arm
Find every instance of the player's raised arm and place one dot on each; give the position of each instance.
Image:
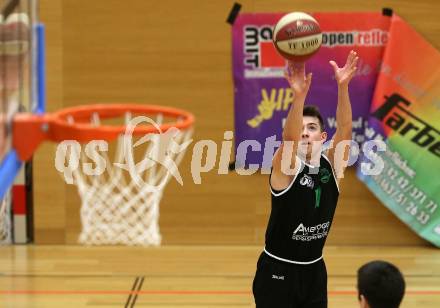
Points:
(300, 84)
(339, 152)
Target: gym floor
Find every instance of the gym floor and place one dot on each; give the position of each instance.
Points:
(186, 276)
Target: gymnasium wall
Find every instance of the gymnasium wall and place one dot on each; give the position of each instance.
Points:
(178, 53)
(49, 189)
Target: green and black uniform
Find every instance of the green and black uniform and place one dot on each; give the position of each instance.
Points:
(291, 271)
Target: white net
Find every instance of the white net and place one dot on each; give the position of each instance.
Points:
(5, 221)
(120, 204)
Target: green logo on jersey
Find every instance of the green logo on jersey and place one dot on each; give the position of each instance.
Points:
(317, 196)
(324, 175)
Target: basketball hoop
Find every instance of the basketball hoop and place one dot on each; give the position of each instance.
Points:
(74, 124)
(120, 205)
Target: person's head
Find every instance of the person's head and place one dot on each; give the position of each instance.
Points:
(313, 134)
(380, 285)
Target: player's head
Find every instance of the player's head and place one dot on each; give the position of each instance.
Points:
(313, 134)
(380, 285)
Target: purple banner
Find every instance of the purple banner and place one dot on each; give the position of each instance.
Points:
(262, 95)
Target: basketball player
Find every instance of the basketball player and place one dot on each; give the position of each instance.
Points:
(380, 285)
(305, 187)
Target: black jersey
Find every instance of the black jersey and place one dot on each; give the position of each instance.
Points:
(302, 214)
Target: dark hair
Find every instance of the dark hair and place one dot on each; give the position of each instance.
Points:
(313, 111)
(381, 283)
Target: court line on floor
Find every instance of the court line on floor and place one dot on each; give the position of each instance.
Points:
(133, 288)
(165, 276)
(139, 287)
(178, 292)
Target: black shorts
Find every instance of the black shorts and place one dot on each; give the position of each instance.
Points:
(278, 284)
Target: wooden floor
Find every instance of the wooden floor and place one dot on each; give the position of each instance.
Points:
(186, 276)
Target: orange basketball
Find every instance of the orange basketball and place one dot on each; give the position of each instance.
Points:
(297, 36)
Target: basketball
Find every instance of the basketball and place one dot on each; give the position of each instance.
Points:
(297, 36)
(14, 35)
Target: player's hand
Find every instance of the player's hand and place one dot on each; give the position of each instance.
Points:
(343, 75)
(295, 74)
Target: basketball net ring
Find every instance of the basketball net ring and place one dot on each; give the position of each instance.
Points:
(120, 205)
